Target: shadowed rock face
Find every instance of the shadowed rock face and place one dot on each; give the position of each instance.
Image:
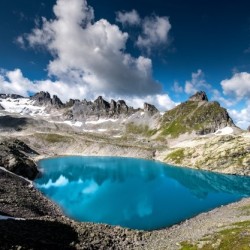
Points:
(199, 96)
(100, 108)
(150, 108)
(14, 156)
(1, 107)
(56, 102)
(71, 103)
(43, 99)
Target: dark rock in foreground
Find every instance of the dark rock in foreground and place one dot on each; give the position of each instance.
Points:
(14, 156)
(18, 198)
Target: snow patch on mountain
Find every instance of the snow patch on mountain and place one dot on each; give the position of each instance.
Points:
(23, 106)
(224, 131)
(101, 121)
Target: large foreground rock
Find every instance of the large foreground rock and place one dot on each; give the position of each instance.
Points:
(15, 157)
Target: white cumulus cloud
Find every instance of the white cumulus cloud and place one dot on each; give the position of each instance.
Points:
(197, 83)
(241, 117)
(13, 82)
(91, 53)
(155, 32)
(128, 18)
(238, 85)
(177, 88)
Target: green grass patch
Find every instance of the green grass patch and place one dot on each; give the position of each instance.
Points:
(188, 246)
(176, 156)
(132, 128)
(236, 237)
(54, 138)
(245, 210)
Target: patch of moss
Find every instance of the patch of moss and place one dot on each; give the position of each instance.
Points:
(236, 237)
(53, 138)
(245, 210)
(132, 128)
(176, 156)
(185, 245)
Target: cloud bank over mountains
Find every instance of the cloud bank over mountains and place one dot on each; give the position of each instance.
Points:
(90, 58)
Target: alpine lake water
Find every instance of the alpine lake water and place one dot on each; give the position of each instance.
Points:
(134, 193)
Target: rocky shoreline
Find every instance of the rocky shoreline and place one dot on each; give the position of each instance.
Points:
(43, 225)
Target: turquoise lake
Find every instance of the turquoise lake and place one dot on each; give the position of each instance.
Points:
(134, 193)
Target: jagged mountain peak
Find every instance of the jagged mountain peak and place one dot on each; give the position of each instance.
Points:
(150, 108)
(43, 98)
(195, 115)
(199, 96)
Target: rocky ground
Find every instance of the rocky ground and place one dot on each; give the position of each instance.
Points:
(228, 154)
(45, 227)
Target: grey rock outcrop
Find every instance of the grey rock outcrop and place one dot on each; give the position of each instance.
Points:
(100, 108)
(56, 102)
(122, 107)
(43, 99)
(1, 107)
(101, 105)
(149, 108)
(71, 103)
(199, 96)
(15, 157)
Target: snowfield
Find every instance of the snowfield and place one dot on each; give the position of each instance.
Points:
(224, 131)
(101, 121)
(23, 106)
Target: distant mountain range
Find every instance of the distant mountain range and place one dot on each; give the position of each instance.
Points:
(197, 114)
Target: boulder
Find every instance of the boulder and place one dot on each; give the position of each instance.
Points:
(15, 157)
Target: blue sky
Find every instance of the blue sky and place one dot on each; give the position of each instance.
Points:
(156, 51)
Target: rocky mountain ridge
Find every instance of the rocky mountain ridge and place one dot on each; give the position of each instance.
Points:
(75, 109)
(198, 114)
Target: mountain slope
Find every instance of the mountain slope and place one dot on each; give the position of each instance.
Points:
(195, 115)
